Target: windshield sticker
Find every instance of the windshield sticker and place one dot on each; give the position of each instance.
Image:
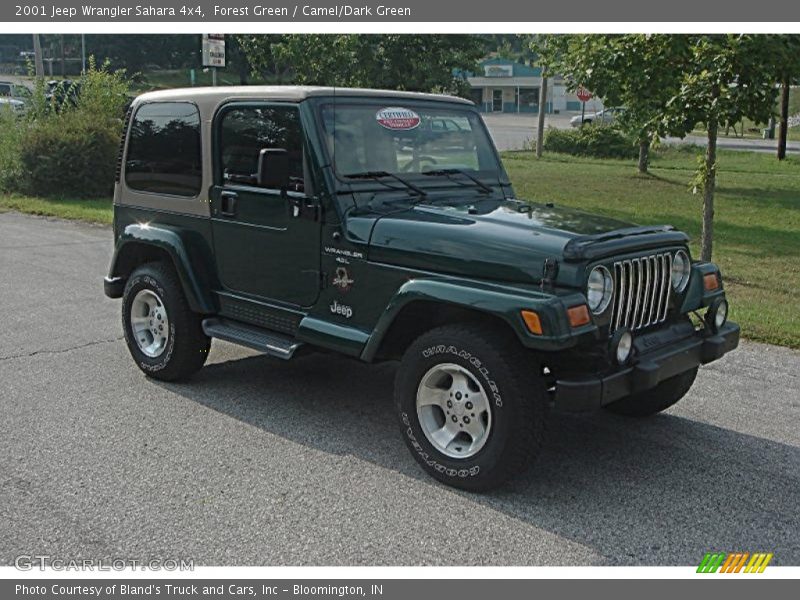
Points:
(397, 118)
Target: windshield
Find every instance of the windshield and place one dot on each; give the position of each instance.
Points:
(406, 138)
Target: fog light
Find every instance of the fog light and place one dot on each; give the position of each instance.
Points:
(621, 346)
(717, 315)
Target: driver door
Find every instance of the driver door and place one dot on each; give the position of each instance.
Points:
(266, 241)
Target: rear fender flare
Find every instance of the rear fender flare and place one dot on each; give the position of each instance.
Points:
(170, 241)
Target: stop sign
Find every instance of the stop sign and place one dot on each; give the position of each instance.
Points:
(583, 94)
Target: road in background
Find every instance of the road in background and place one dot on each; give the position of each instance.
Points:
(518, 132)
(257, 461)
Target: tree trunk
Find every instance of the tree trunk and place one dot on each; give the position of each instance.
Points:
(784, 124)
(62, 56)
(542, 110)
(708, 190)
(37, 56)
(644, 154)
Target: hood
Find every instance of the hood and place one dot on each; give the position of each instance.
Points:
(506, 240)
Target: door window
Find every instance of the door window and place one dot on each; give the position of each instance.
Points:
(246, 130)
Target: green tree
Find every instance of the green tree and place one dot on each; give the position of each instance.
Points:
(403, 62)
(550, 50)
(786, 55)
(724, 78)
(638, 72)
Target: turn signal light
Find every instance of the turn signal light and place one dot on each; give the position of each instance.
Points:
(532, 322)
(711, 281)
(578, 315)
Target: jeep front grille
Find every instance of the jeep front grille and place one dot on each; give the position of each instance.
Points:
(641, 291)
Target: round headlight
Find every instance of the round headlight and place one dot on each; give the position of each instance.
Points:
(599, 289)
(681, 268)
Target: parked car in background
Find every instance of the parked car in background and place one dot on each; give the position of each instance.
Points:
(18, 106)
(606, 116)
(60, 92)
(14, 90)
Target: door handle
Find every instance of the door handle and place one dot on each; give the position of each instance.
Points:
(227, 204)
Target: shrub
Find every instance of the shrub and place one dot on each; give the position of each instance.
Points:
(69, 148)
(11, 132)
(71, 154)
(599, 141)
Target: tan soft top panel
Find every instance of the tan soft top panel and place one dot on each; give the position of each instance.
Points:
(208, 98)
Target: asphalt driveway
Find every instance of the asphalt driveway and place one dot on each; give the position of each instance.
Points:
(262, 462)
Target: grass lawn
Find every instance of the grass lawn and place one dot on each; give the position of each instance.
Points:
(757, 222)
(93, 211)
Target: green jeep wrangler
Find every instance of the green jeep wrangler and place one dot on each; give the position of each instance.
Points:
(382, 225)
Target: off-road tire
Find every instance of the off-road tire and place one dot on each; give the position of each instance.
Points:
(187, 345)
(661, 397)
(511, 377)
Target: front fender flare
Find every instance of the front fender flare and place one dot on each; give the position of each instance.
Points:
(493, 299)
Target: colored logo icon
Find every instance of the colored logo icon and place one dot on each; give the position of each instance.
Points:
(734, 562)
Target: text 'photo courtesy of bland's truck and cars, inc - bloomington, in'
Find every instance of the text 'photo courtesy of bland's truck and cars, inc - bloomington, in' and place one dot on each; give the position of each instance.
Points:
(144, 10)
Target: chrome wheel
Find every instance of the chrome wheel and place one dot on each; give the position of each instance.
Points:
(149, 323)
(453, 411)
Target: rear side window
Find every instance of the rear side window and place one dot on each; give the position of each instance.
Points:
(164, 149)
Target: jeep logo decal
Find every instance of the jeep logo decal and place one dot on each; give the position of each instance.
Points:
(341, 309)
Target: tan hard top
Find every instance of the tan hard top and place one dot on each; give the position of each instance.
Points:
(210, 97)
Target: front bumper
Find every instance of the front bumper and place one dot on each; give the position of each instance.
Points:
(673, 354)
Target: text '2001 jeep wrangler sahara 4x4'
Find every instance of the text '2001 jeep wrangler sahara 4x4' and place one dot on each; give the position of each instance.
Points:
(383, 226)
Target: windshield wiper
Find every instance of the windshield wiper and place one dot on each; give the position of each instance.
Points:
(447, 172)
(378, 175)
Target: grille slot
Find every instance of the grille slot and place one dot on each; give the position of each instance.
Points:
(641, 291)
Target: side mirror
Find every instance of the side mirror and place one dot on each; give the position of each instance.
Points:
(273, 168)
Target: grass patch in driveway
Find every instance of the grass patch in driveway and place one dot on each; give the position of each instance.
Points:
(757, 220)
(92, 211)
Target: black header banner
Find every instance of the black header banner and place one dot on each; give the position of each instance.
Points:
(399, 11)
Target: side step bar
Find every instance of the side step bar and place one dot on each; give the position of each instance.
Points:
(269, 342)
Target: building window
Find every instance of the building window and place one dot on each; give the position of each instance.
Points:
(528, 99)
(164, 149)
(476, 95)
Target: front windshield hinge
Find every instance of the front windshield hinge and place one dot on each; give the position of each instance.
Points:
(549, 273)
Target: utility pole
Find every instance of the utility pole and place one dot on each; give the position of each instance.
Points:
(62, 56)
(37, 56)
(83, 53)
